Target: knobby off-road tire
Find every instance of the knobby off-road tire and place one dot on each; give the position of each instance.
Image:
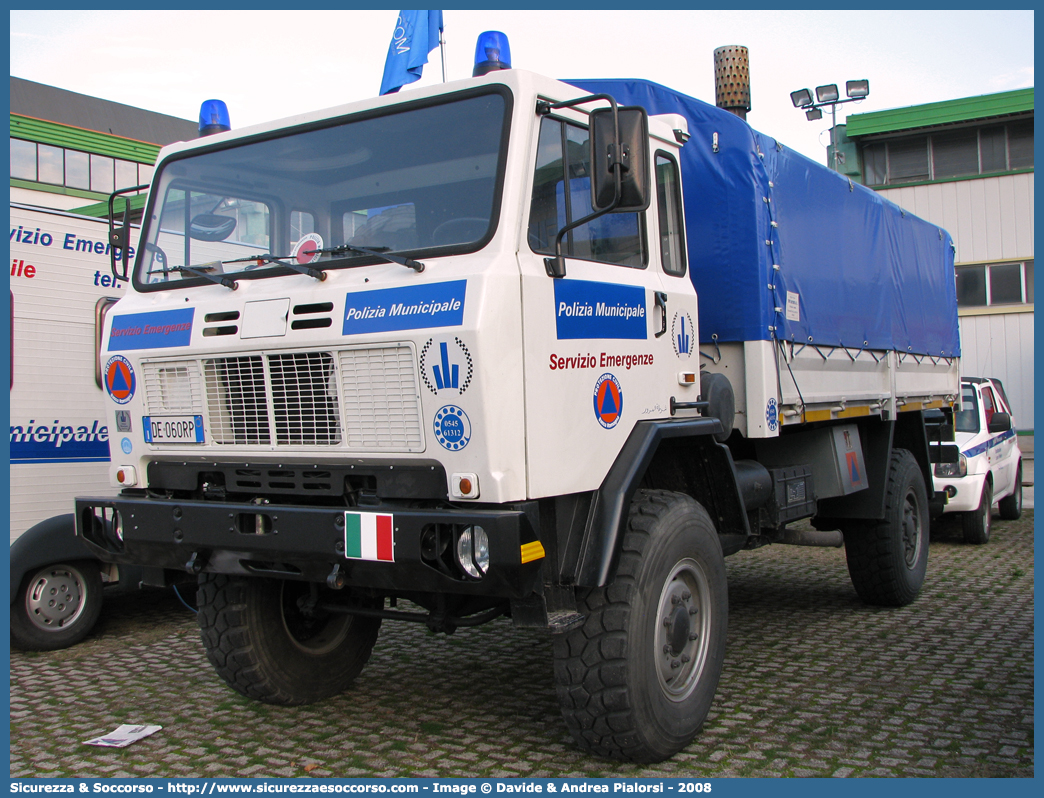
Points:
(636, 680)
(56, 606)
(1010, 507)
(978, 523)
(887, 560)
(265, 648)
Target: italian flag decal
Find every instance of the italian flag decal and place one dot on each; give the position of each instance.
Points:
(368, 536)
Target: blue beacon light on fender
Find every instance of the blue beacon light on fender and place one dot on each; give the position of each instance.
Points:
(213, 118)
(491, 53)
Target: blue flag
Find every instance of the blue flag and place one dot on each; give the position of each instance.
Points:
(416, 35)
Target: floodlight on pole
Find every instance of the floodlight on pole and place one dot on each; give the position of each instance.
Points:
(828, 95)
(801, 98)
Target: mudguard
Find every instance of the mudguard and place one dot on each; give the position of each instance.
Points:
(53, 540)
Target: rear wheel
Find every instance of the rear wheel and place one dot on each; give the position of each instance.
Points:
(56, 606)
(266, 647)
(637, 679)
(887, 560)
(978, 523)
(1011, 506)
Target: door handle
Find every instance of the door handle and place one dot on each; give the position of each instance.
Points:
(661, 302)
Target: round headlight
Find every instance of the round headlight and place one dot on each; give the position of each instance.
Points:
(473, 551)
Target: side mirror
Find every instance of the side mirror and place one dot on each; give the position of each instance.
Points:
(627, 156)
(999, 422)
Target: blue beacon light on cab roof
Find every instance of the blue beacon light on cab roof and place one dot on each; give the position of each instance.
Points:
(491, 53)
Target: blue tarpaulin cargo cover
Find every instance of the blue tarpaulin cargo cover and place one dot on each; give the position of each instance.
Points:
(854, 269)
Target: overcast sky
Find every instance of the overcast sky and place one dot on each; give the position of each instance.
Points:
(271, 64)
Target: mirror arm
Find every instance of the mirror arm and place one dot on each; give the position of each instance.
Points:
(555, 267)
(119, 237)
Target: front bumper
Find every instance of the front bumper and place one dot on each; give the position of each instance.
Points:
(308, 543)
(966, 492)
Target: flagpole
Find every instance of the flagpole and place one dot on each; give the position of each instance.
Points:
(442, 52)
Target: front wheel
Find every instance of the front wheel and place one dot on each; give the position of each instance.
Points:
(1010, 507)
(887, 560)
(56, 606)
(636, 680)
(978, 523)
(267, 645)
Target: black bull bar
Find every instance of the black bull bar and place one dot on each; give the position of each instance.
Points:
(308, 543)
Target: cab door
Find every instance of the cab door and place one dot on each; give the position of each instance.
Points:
(598, 354)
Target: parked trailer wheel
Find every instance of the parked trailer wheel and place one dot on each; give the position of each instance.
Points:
(56, 606)
(887, 560)
(1010, 507)
(978, 524)
(263, 646)
(636, 680)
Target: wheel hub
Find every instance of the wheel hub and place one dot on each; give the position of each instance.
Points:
(55, 599)
(678, 631)
(911, 530)
(682, 629)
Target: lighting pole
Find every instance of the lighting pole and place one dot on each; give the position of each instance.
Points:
(829, 96)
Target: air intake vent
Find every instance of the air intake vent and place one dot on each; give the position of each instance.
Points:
(173, 388)
(315, 322)
(381, 400)
(225, 329)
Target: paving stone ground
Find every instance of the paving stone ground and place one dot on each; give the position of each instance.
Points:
(815, 684)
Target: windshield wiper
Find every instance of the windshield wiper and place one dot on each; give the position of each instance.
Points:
(380, 252)
(224, 280)
(281, 260)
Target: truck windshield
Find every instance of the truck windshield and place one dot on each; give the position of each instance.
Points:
(422, 179)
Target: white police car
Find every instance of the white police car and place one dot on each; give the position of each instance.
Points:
(989, 467)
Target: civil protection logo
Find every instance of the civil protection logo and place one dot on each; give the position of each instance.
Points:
(608, 401)
(119, 379)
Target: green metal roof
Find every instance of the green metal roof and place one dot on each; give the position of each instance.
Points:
(76, 138)
(941, 113)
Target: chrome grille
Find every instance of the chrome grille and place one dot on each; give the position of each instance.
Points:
(381, 399)
(304, 399)
(237, 407)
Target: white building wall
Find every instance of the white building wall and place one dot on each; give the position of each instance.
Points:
(47, 199)
(991, 220)
(1001, 345)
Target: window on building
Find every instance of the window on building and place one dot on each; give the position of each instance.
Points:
(77, 169)
(58, 166)
(955, 154)
(50, 164)
(908, 159)
(948, 154)
(992, 284)
(23, 159)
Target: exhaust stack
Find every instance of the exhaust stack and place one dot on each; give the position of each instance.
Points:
(732, 79)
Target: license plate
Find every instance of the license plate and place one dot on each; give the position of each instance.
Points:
(173, 429)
